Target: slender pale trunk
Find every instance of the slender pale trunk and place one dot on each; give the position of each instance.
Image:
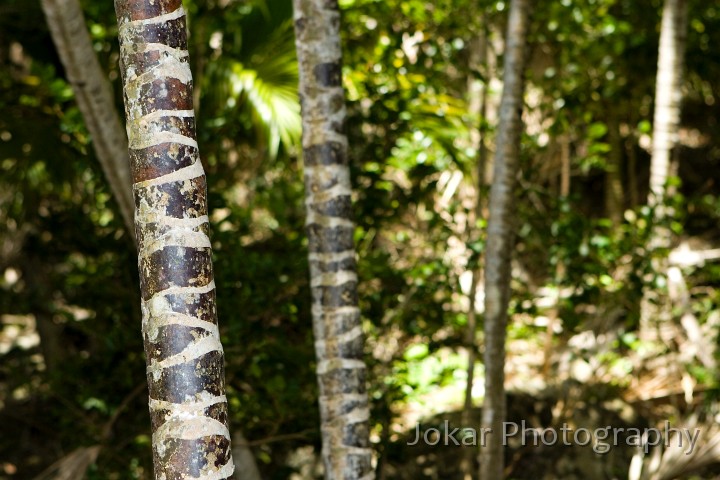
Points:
(479, 61)
(188, 407)
(666, 125)
(344, 409)
(94, 97)
(668, 95)
(501, 239)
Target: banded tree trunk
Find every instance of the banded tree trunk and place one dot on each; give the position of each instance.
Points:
(188, 407)
(344, 409)
(94, 97)
(666, 124)
(501, 239)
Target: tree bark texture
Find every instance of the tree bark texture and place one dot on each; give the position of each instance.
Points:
(501, 238)
(344, 409)
(668, 95)
(94, 97)
(188, 407)
(666, 125)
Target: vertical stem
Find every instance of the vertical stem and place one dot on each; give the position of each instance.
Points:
(467, 466)
(94, 97)
(344, 407)
(553, 316)
(613, 173)
(501, 239)
(666, 124)
(185, 372)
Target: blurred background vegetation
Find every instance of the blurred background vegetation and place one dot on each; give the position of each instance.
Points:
(416, 75)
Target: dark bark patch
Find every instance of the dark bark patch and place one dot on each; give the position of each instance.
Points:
(344, 295)
(193, 458)
(329, 153)
(356, 435)
(345, 264)
(158, 160)
(189, 379)
(142, 9)
(166, 94)
(176, 199)
(171, 340)
(300, 24)
(328, 74)
(175, 266)
(339, 207)
(171, 33)
(341, 381)
(198, 305)
(142, 61)
(341, 323)
(329, 239)
(218, 411)
(351, 349)
(357, 466)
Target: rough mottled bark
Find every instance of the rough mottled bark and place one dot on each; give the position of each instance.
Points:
(341, 370)
(666, 124)
(188, 407)
(501, 238)
(94, 97)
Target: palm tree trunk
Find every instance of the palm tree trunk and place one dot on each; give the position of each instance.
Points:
(666, 124)
(188, 407)
(344, 409)
(94, 97)
(501, 238)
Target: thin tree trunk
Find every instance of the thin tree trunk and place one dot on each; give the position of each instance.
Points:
(188, 407)
(344, 408)
(554, 314)
(479, 61)
(631, 146)
(501, 239)
(247, 468)
(613, 172)
(668, 95)
(94, 97)
(666, 124)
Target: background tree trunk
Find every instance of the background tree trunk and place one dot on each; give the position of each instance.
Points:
(94, 97)
(501, 238)
(188, 407)
(614, 199)
(337, 326)
(666, 124)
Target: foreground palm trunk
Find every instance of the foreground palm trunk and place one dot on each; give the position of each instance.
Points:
(501, 239)
(666, 124)
(188, 407)
(94, 97)
(341, 370)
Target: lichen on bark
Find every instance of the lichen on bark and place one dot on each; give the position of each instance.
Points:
(188, 407)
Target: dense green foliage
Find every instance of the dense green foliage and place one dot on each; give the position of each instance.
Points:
(71, 366)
